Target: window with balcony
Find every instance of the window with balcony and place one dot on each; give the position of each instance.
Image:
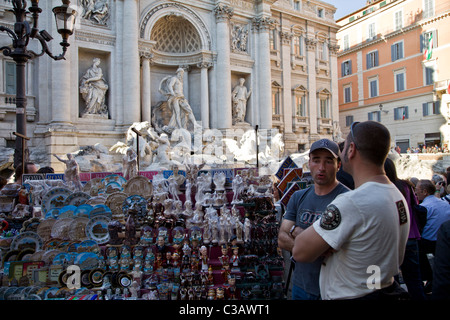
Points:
(425, 40)
(401, 113)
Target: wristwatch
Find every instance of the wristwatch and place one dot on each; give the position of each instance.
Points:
(292, 230)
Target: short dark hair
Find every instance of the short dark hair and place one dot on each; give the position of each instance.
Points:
(46, 170)
(427, 185)
(373, 141)
(19, 171)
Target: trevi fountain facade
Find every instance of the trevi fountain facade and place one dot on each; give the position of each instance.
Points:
(201, 79)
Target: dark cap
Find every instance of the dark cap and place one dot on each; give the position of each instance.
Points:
(327, 145)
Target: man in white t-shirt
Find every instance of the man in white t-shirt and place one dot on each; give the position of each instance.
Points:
(364, 231)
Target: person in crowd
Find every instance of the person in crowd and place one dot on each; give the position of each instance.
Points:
(410, 267)
(305, 207)
(30, 167)
(438, 211)
(45, 170)
(441, 266)
(364, 231)
(344, 177)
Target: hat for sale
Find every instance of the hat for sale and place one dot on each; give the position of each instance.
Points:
(327, 145)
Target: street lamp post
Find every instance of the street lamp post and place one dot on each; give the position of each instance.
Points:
(21, 35)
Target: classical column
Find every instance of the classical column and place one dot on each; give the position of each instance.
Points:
(61, 84)
(131, 68)
(117, 69)
(312, 88)
(186, 69)
(263, 25)
(333, 49)
(204, 92)
(146, 88)
(286, 38)
(224, 112)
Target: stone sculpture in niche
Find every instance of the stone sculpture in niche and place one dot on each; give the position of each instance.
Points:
(172, 88)
(93, 88)
(240, 96)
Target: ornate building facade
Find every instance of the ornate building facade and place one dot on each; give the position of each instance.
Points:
(284, 53)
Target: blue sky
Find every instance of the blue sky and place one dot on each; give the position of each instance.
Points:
(345, 7)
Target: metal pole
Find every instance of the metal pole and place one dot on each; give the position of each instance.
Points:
(257, 147)
(21, 105)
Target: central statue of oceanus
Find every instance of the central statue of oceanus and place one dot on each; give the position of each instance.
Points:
(177, 104)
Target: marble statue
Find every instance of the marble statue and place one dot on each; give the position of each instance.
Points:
(130, 164)
(93, 89)
(161, 156)
(240, 96)
(95, 10)
(72, 172)
(172, 88)
(219, 181)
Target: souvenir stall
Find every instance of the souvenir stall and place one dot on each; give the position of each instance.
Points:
(168, 235)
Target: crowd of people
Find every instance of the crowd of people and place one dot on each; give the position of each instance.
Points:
(359, 232)
(426, 149)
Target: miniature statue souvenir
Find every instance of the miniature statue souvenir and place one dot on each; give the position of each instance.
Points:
(188, 213)
(219, 181)
(114, 228)
(247, 227)
(204, 258)
(235, 259)
(129, 164)
(147, 236)
(238, 188)
(130, 229)
(72, 172)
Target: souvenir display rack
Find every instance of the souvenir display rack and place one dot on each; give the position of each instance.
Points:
(203, 238)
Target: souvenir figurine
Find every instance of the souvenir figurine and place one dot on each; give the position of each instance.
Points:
(204, 258)
(231, 287)
(188, 213)
(211, 294)
(147, 236)
(210, 276)
(235, 259)
(114, 228)
(247, 227)
(238, 188)
(215, 231)
(219, 181)
(220, 293)
(130, 228)
(161, 244)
